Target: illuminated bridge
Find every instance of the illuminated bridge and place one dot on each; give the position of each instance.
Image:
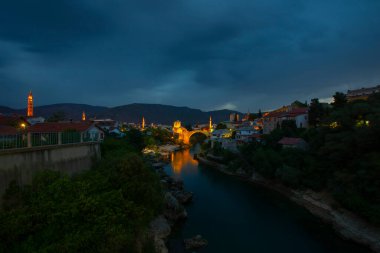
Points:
(185, 135)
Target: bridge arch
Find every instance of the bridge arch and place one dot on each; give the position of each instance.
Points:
(191, 133)
(184, 134)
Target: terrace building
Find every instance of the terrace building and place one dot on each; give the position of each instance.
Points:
(246, 134)
(274, 119)
(362, 94)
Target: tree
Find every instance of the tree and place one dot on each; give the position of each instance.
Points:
(251, 117)
(298, 104)
(340, 100)
(315, 112)
(57, 116)
(289, 128)
(259, 114)
(136, 139)
(221, 126)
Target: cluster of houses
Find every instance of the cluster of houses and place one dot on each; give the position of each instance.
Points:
(362, 94)
(15, 129)
(236, 131)
(249, 128)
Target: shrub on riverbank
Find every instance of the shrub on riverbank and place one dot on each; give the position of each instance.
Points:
(106, 209)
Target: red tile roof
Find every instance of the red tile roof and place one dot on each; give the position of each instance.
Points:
(11, 120)
(59, 127)
(298, 111)
(290, 141)
(257, 136)
(8, 130)
(293, 113)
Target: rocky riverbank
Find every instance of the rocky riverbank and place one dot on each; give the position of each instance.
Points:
(174, 211)
(162, 150)
(176, 197)
(344, 222)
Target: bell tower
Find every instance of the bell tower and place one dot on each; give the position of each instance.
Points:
(29, 112)
(210, 124)
(83, 116)
(143, 123)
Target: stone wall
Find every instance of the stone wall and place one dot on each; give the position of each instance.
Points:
(22, 164)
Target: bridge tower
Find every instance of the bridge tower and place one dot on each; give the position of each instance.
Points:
(29, 112)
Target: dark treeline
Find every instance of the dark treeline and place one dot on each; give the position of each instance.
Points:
(106, 209)
(343, 157)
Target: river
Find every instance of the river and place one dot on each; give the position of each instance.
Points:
(237, 216)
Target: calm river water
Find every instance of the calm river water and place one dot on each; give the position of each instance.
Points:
(236, 216)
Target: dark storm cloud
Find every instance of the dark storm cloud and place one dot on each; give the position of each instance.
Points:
(200, 53)
(44, 25)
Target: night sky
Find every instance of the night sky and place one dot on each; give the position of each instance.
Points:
(207, 54)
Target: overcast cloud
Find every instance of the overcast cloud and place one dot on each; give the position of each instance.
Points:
(206, 54)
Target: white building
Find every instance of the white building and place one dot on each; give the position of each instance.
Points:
(302, 120)
(35, 120)
(245, 134)
(116, 131)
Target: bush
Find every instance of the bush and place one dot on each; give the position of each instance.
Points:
(289, 175)
(266, 162)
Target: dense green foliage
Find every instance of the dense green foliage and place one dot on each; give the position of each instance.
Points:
(157, 136)
(57, 116)
(221, 126)
(106, 209)
(217, 150)
(343, 158)
(135, 138)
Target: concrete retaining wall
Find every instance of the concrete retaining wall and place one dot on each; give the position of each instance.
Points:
(22, 164)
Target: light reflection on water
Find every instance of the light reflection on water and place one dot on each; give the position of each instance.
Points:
(181, 160)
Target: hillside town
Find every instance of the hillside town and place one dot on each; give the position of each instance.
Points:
(17, 131)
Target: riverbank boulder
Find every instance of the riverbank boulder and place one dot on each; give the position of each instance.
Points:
(177, 185)
(160, 230)
(158, 165)
(241, 172)
(174, 211)
(183, 197)
(195, 243)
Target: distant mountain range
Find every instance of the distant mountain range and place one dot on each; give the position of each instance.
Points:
(153, 113)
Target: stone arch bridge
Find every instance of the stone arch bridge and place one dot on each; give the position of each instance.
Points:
(184, 134)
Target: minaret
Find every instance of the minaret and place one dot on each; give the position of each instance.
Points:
(210, 124)
(29, 112)
(83, 116)
(143, 123)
